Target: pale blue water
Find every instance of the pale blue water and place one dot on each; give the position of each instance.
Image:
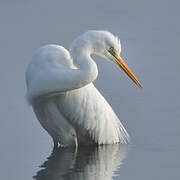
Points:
(149, 33)
(112, 162)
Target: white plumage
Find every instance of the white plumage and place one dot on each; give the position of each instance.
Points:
(61, 91)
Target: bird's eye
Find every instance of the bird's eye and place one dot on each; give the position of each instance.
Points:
(112, 51)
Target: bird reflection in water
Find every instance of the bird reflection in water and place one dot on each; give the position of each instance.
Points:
(99, 163)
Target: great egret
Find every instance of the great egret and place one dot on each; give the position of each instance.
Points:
(61, 91)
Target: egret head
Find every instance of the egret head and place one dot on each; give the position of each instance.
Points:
(108, 46)
(105, 44)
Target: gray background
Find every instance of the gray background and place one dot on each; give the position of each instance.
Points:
(150, 36)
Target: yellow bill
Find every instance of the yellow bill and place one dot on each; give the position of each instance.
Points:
(125, 68)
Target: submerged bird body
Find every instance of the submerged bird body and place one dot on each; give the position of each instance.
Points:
(64, 99)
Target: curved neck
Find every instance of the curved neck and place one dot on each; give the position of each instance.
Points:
(87, 70)
(50, 81)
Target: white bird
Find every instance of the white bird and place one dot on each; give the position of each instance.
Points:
(61, 91)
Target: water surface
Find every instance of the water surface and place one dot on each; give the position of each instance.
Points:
(149, 33)
(85, 163)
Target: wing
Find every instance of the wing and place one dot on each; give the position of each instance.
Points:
(53, 121)
(91, 115)
(48, 71)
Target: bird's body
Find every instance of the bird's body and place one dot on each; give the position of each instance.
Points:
(64, 99)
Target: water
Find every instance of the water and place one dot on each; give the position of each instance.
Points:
(149, 32)
(86, 163)
(112, 162)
